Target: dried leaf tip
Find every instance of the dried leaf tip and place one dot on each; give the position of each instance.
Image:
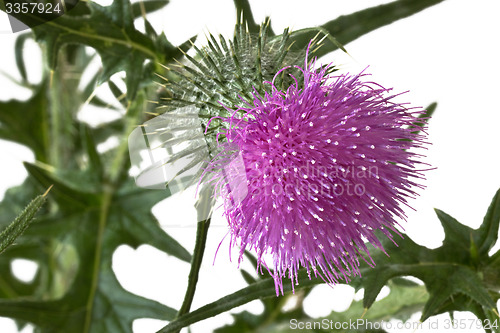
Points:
(48, 190)
(364, 312)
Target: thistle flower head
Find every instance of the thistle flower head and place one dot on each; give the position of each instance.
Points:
(307, 175)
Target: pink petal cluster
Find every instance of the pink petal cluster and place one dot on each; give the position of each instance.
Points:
(309, 174)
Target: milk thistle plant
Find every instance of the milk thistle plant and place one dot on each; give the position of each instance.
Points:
(313, 168)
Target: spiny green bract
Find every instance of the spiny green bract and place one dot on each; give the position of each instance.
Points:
(219, 79)
(225, 72)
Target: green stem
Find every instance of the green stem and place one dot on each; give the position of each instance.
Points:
(258, 290)
(199, 250)
(103, 217)
(134, 116)
(63, 82)
(204, 207)
(109, 188)
(55, 121)
(117, 163)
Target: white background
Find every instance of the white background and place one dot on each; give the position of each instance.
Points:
(448, 53)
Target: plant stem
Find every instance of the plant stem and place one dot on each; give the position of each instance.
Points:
(204, 207)
(103, 218)
(119, 162)
(199, 250)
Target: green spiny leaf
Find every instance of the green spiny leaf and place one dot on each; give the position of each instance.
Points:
(401, 303)
(119, 95)
(19, 50)
(488, 232)
(147, 7)
(347, 28)
(89, 90)
(110, 31)
(25, 122)
(424, 117)
(22, 222)
(244, 15)
(95, 290)
(64, 191)
(457, 237)
(249, 279)
(429, 111)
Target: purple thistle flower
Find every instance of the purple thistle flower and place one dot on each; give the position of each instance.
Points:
(309, 174)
